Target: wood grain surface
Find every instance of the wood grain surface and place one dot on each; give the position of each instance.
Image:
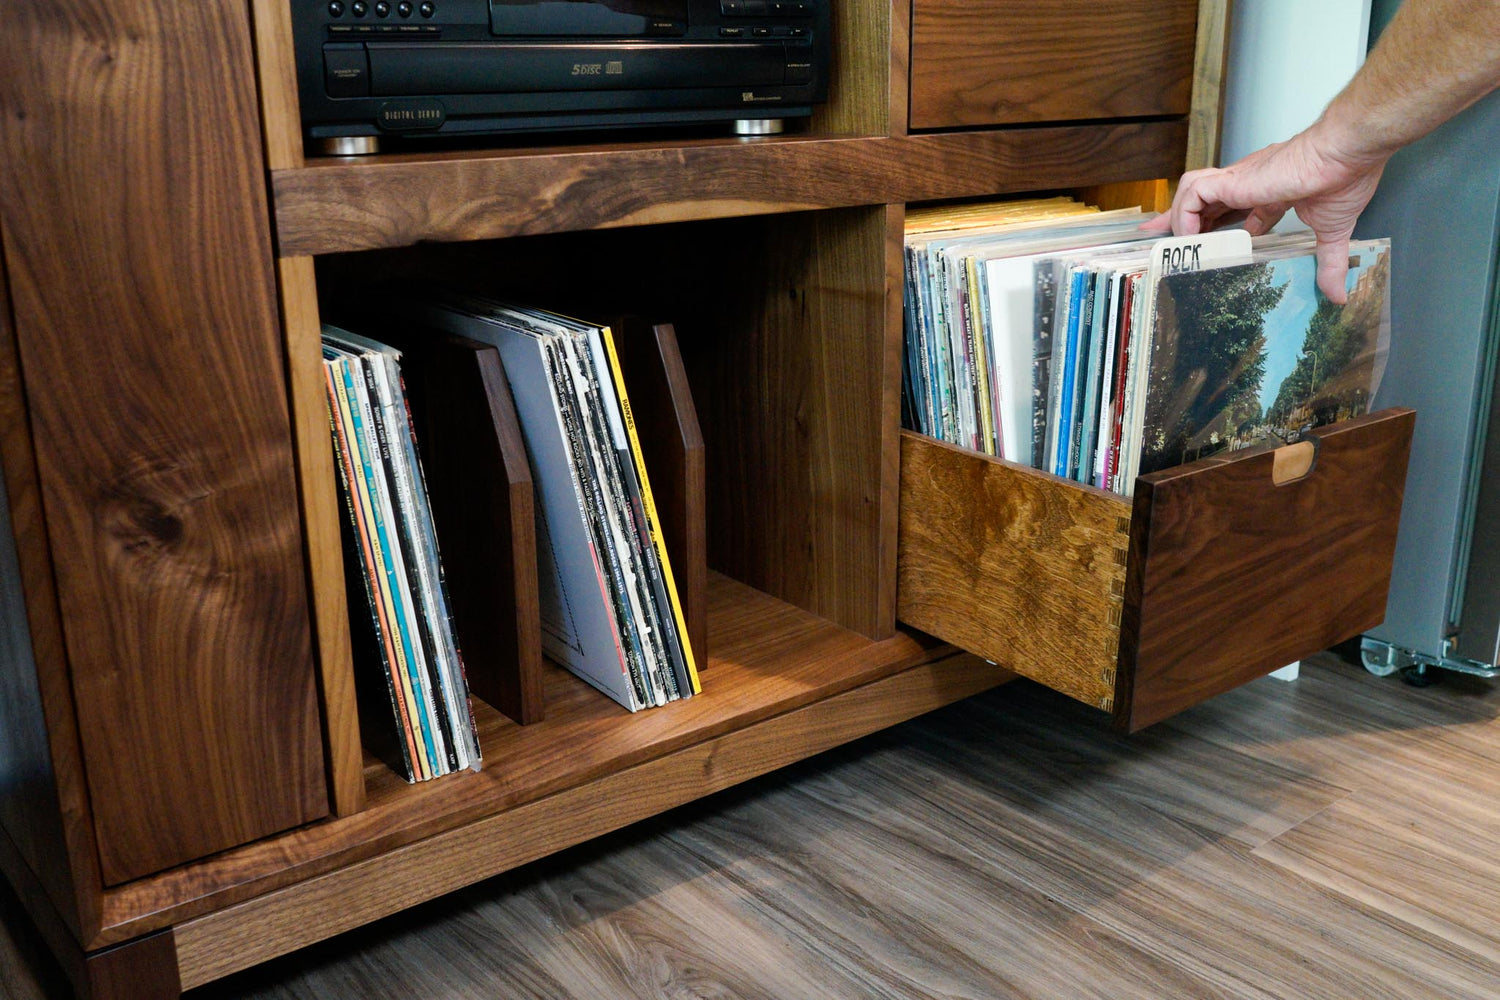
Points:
(791, 389)
(262, 928)
(1013, 564)
(1009, 846)
(321, 513)
(766, 658)
(136, 243)
(44, 808)
(672, 447)
(860, 71)
(1210, 61)
(1233, 576)
(333, 205)
(1150, 196)
(276, 72)
(988, 62)
(900, 71)
(144, 968)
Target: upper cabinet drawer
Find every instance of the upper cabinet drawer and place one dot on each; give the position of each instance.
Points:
(1219, 572)
(1003, 62)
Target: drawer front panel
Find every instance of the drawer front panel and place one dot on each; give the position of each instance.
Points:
(999, 62)
(1232, 576)
(1015, 565)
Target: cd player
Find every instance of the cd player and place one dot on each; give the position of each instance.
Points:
(415, 68)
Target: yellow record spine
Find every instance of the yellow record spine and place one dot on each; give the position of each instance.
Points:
(650, 504)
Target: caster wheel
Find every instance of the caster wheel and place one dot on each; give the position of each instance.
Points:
(1419, 675)
(1377, 664)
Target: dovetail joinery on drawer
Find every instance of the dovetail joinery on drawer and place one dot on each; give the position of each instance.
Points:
(1013, 564)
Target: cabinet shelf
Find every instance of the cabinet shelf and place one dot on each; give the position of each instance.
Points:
(767, 658)
(338, 205)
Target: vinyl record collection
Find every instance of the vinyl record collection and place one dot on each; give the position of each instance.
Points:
(1055, 335)
(609, 604)
(423, 725)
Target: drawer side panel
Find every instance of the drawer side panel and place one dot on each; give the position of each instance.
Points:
(1015, 565)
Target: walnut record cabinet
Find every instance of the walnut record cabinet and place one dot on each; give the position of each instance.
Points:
(183, 790)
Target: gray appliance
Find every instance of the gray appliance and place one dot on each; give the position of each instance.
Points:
(1439, 201)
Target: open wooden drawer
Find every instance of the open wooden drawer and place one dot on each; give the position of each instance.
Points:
(1218, 572)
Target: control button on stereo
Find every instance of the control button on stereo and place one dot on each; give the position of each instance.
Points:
(731, 8)
(798, 71)
(427, 10)
(801, 8)
(797, 32)
(357, 8)
(731, 32)
(346, 70)
(340, 29)
(382, 8)
(335, 9)
(403, 8)
(761, 32)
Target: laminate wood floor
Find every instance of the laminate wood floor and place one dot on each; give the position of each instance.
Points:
(1335, 837)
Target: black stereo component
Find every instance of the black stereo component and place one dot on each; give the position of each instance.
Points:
(371, 68)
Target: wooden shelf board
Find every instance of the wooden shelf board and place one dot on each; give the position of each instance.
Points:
(767, 658)
(227, 940)
(337, 205)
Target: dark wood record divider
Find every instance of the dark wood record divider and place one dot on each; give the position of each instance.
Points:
(483, 511)
(672, 448)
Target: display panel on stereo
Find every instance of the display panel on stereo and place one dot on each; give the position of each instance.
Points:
(414, 68)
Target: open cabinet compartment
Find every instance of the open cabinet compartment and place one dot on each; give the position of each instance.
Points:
(1216, 574)
(483, 505)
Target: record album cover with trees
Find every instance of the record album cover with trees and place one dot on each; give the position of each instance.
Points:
(1255, 353)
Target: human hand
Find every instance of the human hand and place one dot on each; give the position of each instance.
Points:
(1327, 191)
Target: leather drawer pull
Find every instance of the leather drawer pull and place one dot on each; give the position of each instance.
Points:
(1293, 462)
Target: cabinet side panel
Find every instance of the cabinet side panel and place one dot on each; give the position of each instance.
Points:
(136, 237)
(31, 796)
(30, 810)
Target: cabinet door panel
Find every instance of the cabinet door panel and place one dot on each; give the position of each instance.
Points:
(133, 211)
(1002, 62)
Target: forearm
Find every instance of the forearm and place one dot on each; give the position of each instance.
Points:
(1434, 59)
